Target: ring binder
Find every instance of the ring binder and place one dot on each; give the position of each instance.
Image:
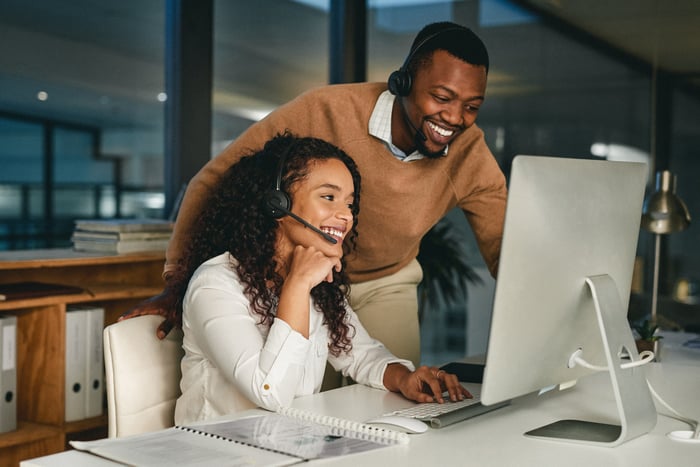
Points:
(8, 373)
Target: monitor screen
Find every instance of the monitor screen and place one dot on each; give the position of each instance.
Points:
(567, 221)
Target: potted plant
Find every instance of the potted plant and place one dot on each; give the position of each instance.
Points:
(647, 338)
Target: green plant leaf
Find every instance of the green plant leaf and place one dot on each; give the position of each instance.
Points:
(647, 330)
(445, 267)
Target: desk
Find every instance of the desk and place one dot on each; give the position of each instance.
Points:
(496, 439)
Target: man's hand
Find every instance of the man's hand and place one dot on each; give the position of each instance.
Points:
(164, 304)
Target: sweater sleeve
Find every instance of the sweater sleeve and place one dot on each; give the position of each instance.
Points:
(482, 193)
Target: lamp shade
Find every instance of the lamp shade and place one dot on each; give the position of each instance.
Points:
(664, 212)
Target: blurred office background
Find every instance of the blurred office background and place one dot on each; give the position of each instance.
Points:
(84, 104)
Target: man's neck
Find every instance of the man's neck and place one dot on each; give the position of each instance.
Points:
(402, 133)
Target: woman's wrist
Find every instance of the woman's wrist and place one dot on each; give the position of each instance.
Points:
(393, 374)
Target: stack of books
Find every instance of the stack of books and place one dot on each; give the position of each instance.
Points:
(121, 235)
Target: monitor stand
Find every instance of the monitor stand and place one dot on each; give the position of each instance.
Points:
(634, 403)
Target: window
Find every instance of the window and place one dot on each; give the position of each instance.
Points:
(81, 127)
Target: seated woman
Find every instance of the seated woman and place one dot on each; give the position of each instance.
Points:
(265, 300)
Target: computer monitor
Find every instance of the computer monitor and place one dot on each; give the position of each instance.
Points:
(563, 287)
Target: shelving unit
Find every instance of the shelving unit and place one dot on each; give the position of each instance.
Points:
(116, 283)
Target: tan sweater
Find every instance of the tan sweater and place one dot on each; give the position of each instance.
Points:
(400, 201)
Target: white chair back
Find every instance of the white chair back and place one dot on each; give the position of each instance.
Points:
(142, 376)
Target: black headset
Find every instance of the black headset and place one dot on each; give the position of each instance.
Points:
(400, 81)
(277, 201)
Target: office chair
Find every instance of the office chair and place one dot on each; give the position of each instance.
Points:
(142, 376)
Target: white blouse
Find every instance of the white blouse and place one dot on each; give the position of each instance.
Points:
(233, 363)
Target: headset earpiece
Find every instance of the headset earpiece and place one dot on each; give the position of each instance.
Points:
(276, 201)
(399, 82)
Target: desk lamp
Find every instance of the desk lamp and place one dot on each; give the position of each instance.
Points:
(663, 213)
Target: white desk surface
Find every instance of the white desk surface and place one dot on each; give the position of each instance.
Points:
(496, 438)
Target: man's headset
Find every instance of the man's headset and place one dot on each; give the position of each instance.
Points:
(279, 204)
(400, 81)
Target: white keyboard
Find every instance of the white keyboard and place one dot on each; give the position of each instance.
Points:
(440, 415)
(428, 410)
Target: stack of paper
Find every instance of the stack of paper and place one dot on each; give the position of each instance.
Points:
(121, 235)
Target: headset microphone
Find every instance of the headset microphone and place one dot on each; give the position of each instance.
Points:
(278, 207)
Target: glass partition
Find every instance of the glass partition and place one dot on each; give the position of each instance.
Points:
(265, 53)
(81, 114)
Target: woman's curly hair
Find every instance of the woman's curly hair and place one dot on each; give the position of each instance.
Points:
(237, 220)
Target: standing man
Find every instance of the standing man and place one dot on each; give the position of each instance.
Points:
(419, 154)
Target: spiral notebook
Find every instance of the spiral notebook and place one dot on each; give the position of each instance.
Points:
(284, 438)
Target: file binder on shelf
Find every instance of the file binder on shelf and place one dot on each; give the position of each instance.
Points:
(84, 362)
(8, 373)
(94, 367)
(76, 332)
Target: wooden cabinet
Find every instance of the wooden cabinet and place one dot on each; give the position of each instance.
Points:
(115, 283)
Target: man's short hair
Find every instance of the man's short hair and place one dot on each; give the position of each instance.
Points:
(457, 40)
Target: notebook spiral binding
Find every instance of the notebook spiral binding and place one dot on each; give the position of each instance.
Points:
(224, 438)
(348, 428)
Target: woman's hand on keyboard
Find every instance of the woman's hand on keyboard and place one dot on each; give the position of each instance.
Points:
(426, 384)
